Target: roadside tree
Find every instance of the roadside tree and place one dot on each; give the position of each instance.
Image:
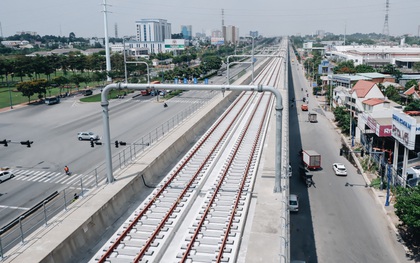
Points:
(408, 209)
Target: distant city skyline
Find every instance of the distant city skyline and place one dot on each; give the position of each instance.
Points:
(268, 17)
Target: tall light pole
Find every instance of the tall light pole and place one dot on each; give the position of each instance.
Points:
(147, 66)
(331, 94)
(125, 61)
(252, 60)
(350, 127)
(10, 92)
(108, 58)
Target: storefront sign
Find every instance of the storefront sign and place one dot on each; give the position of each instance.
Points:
(404, 129)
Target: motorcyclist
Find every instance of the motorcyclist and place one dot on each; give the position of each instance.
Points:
(165, 105)
(67, 170)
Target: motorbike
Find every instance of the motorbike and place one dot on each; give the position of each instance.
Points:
(165, 105)
(67, 171)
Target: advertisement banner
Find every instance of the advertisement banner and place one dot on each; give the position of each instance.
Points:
(175, 44)
(404, 129)
(217, 41)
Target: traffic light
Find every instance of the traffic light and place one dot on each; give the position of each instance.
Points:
(341, 152)
(4, 142)
(123, 143)
(116, 144)
(304, 99)
(92, 144)
(27, 143)
(362, 153)
(98, 143)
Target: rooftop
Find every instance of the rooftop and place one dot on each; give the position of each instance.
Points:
(362, 88)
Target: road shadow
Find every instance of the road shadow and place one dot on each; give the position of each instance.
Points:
(302, 240)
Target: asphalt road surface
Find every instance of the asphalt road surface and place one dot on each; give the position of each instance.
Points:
(53, 130)
(335, 223)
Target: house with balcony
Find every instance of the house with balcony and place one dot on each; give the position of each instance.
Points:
(363, 91)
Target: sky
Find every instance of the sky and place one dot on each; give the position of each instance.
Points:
(269, 17)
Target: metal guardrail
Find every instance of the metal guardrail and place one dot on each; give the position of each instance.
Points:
(44, 212)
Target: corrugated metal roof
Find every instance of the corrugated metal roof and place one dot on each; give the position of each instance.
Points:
(374, 75)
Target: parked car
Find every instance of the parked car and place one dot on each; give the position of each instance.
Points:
(293, 203)
(87, 136)
(339, 169)
(5, 175)
(88, 92)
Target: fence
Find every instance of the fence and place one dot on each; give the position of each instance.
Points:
(43, 214)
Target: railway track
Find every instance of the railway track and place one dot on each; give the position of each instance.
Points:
(198, 212)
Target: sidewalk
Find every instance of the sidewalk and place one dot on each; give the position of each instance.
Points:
(380, 195)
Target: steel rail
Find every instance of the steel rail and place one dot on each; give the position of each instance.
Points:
(163, 188)
(184, 191)
(221, 180)
(238, 197)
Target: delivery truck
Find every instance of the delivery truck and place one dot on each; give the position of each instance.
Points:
(311, 159)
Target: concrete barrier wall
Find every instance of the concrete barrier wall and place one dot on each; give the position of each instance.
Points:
(90, 217)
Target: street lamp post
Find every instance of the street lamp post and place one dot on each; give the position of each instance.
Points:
(10, 92)
(107, 52)
(147, 66)
(252, 61)
(388, 183)
(125, 62)
(351, 122)
(331, 92)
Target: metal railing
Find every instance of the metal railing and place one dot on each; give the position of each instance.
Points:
(19, 229)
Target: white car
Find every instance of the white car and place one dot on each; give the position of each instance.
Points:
(87, 136)
(4, 175)
(339, 169)
(293, 203)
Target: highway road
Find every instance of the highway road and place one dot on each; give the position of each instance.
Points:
(54, 128)
(335, 223)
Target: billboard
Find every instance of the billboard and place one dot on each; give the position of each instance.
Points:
(174, 44)
(217, 41)
(404, 129)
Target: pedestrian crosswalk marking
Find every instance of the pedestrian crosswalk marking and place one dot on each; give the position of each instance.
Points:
(54, 177)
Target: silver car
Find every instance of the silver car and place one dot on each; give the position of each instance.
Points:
(4, 175)
(293, 203)
(87, 136)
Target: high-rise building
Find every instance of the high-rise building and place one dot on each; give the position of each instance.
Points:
(216, 33)
(231, 34)
(186, 31)
(153, 30)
